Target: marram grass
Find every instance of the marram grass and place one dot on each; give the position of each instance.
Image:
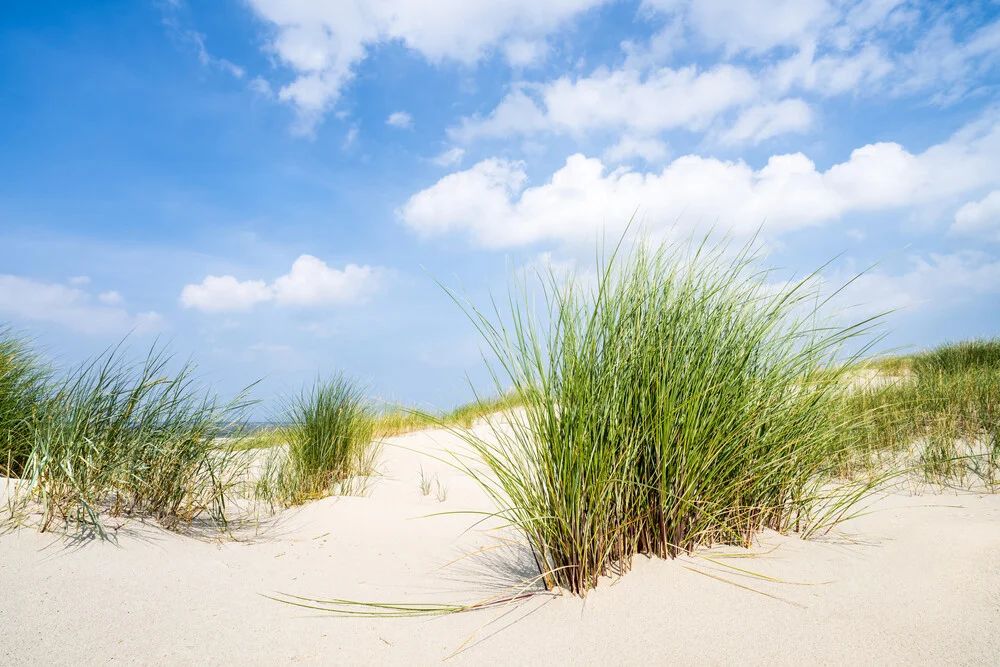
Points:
(22, 392)
(329, 433)
(122, 438)
(682, 400)
(939, 408)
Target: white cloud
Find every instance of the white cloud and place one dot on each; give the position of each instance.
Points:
(979, 218)
(764, 121)
(219, 294)
(660, 100)
(261, 86)
(399, 119)
(649, 149)
(323, 41)
(831, 74)
(755, 25)
(525, 52)
(309, 284)
(79, 280)
(312, 283)
(111, 298)
(491, 203)
(934, 281)
(27, 299)
(450, 158)
(845, 46)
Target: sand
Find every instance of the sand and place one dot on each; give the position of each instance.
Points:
(916, 581)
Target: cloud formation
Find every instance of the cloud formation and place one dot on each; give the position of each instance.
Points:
(979, 218)
(71, 307)
(491, 203)
(309, 284)
(662, 99)
(399, 119)
(322, 41)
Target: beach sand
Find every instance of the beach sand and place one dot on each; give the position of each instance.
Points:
(915, 581)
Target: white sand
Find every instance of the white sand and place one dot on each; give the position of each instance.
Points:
(916, 582)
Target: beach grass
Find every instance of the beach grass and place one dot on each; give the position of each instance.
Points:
(116, 437)
(939, 408)
(329, 430)
(23, 381)
(684, 400)
(397, 420)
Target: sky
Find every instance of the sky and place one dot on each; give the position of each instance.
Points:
(278, 189)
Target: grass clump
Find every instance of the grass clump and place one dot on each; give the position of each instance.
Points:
(944, 415)
(22, 392)
(683, 400)
(330, 427)
(121, 438)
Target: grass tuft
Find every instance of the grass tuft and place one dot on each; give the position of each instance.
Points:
(684, 400)
(22, 393)
(329, 434)
(122, 438)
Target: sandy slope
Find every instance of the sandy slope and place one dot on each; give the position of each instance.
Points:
(915, 582)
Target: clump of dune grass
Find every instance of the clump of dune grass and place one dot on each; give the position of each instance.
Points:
(23, 384)
(944, 414)
(682, 399)
(123, 438)
(330, 427)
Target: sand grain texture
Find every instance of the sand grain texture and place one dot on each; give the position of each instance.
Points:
(915, 582)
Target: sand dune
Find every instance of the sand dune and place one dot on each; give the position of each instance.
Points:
(916, 581)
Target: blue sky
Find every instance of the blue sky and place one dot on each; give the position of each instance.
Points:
(272, 186)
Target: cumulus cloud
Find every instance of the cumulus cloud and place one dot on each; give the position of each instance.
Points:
(662, 99)
(491, 203)
(27, 299)
(979, 218)
(218, 294)
(310, 283)
(322, 41)
(399, 119)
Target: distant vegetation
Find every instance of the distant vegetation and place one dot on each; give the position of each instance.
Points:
(941, 409)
